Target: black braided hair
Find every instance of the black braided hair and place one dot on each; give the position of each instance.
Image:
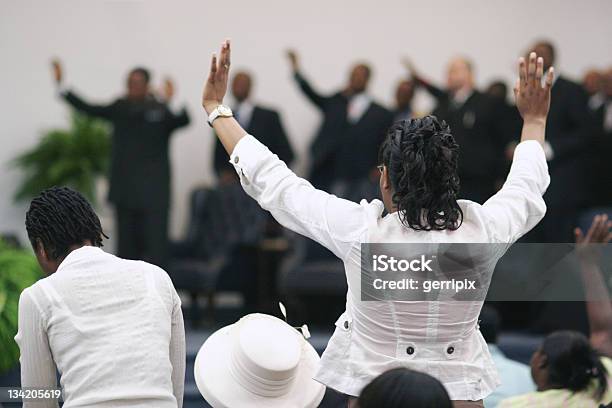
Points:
(60, 218)
(421, 157)
(573, 364)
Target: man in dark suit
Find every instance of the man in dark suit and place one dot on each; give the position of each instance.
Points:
(600, 152)
(140, 168)
(346, 145)
(404, 94)
(477, 123)
(569, 133)
(265, 123)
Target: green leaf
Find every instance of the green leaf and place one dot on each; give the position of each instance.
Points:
(73, 157)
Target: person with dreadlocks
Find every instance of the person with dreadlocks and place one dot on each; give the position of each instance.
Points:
(419, 186)
(113, 328)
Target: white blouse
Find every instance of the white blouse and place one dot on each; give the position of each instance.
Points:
(113, 329)
(374, 336)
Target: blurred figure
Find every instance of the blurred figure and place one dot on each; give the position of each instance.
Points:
(593, 84)
(599, 156)
(111, 327)
(257, 120)
(353, 128)
(478, 125)
(568, 373)
(402, 387)
(404, 94)
(515, 376)
(568, 135)
(140, 167)
(498, 91)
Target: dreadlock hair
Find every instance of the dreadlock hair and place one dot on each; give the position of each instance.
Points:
(421, 157)
(60, 218)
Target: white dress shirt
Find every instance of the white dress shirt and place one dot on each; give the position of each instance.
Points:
(113, 329)
(374, 336)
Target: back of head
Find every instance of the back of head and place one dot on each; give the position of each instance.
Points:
(421, 157)
(60, 218)
(402, 387)
(572, 363)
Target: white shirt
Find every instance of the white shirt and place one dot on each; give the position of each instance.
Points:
(372, 336)
(113, 328)
(244, 112)
(357, 107)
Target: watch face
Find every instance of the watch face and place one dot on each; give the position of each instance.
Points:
(224, 110)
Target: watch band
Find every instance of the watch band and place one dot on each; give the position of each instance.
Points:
(219, 111)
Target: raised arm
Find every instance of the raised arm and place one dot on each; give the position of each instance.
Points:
(100, 111)
(599, 308)
(174, 120)
(293, 201)
(419, 80)
(519, 205)
(316, 98)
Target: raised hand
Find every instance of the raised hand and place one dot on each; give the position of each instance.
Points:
(57, 70)
(599, 233)
(293, 60)
(533, 97)
(407, 63)
(168, 89)
(216, 84)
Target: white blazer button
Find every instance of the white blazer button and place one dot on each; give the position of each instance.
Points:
(410, 350)
(346, 324)
(450, 350)
(236, 160)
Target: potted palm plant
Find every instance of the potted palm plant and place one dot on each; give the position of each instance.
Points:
(75, 157)
(18, 270)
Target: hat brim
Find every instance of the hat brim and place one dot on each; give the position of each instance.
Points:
(213, 378)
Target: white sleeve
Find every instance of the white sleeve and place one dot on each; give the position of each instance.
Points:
(38, 369)
(333, 222)
(177, 350)
(519, 205)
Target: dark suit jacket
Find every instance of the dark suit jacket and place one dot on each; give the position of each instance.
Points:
(341, 150)
(569, 131)
(599, 162)
(480, 128)
(267, 127)
(140, 167)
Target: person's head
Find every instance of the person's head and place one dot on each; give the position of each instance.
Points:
(546, 50)
(419, 174)
(490, 322)
(241, 86)
(138, 83)
(59, 221)
(566, 360)
(460, 74)
(401, 387)
(497, 90)
(404, 94)
(359, 78)
(593, 81)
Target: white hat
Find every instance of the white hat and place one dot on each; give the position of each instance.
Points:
(259, 361)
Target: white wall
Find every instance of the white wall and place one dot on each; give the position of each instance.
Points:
(100, 40)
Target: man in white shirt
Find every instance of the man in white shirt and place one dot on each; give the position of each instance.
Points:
(113, 328)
